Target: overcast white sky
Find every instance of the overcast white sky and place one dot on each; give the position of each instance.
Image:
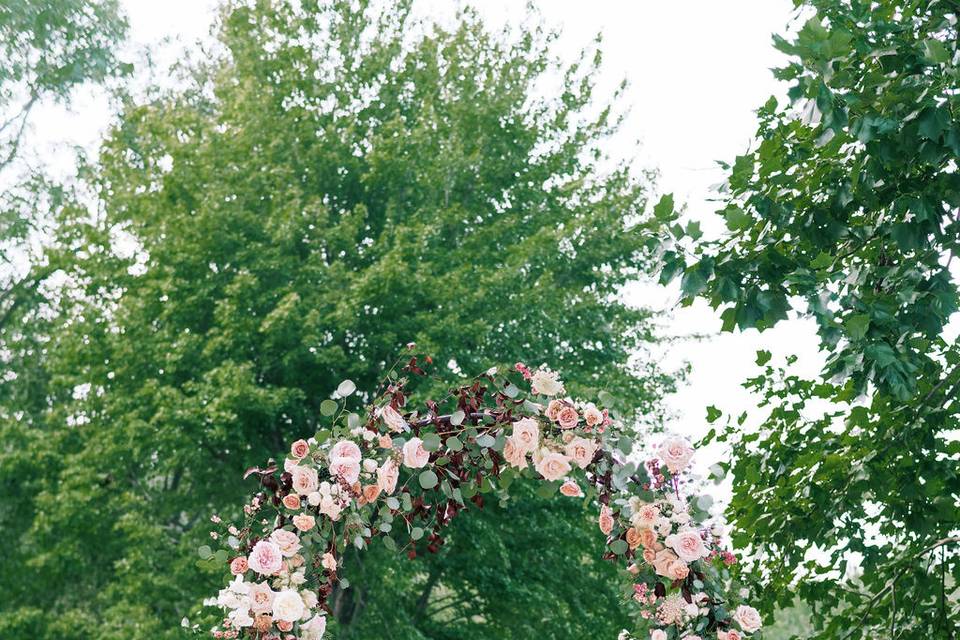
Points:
(697, 70)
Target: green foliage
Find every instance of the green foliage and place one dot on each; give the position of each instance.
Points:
(337, 182)
(845, 212)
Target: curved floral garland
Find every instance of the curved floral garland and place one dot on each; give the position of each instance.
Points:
(402, 476)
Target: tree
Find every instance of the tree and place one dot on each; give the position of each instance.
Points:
(846, 212)
(335, 181)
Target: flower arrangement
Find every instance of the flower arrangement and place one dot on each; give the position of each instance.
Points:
(400, 476)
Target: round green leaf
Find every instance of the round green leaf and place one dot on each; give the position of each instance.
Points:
(619, 547)
(328, 407)
(416, 533)
(428, 479)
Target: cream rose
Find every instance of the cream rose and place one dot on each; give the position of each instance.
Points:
(304, 522)
(662, 562)
(288, 606)
(265, 558)
(387, 476)
(553, 466)
(748, 618)
(687, 545)
(314, 628)
(592, 416)
(414, 455)
(546, 382)
(676, 453)
(581, 451)
(526, 434)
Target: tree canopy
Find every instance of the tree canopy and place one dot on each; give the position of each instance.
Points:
(846, 212)
(334, 181)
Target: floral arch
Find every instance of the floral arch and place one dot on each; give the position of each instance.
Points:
(402, 475)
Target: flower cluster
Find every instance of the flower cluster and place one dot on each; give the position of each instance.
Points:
(402, 475)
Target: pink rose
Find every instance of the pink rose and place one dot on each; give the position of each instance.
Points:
(392, 418)
(265, 558)
(592, 416)
(299, 449)
(514, 453)
(568, 417)
(553, 466)
(284, 625)
(676, 453)
(387, 476)
(305, 480)
(526, 434)
(238, 566)
(649, 556)
(658, 634)
(346, 468)
(571, 489)
(748, 618)
(687, 545)
(732, 634)
(606, 520)
(291, 501)
(646, 515)
(287, 541)
(414, 455)
(345, 449)
(303, 522)
(581, 451)
(261, 597)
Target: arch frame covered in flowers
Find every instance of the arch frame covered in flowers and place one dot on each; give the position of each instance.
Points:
(401, 475)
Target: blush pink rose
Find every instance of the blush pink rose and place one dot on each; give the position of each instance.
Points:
(581, 451)
(304, 522)
(568, 417)
(514, 453)
(662, 561)
(385, 442)
(748, 618)
(346, 468)
(606, 520)
(649, 556)
(238, 566)
(687, 544)
(658, 634)
(553, 408)
(299, 449)
(553, 465)
(647, 515)
(592, 416)
(392, 418)
(414, 455)
(732, 634)
(571, 489)
(284, 625)
(265, 558)
(678, 570)
(305, 480)
(287, 541)
(291, 501)
(526, 434)
(328, 562)
(676, 453)
(387, 476)
(345, 449)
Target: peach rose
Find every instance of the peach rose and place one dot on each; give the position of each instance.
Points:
(687, 545)
(592, 416)
(581, 451)
(678, 570)
(304, 522)
(414, 455)
(262, 623)
(646, 515)
(649, 556)
(526, 434)
(676, 453)
(328, 562)
(633, 537)
(287, 541)
(748, 618)
(291, 501)
(387, 476)
(606, 520)
(265, 558)
(568, 417)
(238, 566)
(648, 538)
(553, 466)
(514, 453)
(662, 561)
(305, 480)
(370, 492)
(553, 408)
(385, 442)
(392, 418)
(571, 489)
(284, 625)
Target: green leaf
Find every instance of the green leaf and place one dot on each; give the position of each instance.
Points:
(857, 325)
(457, 417)
(431, 441)
(763, 357)
(736, 218)
(416, 533)
(454, 443)
(428, 479)
(619, 547)
(328, 407)
(204, 551)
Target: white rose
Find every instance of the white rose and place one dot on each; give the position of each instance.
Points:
(287, 606)
(414, 455)
(546, 382)
(314, 628)
(394, 421)
(748, 618)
